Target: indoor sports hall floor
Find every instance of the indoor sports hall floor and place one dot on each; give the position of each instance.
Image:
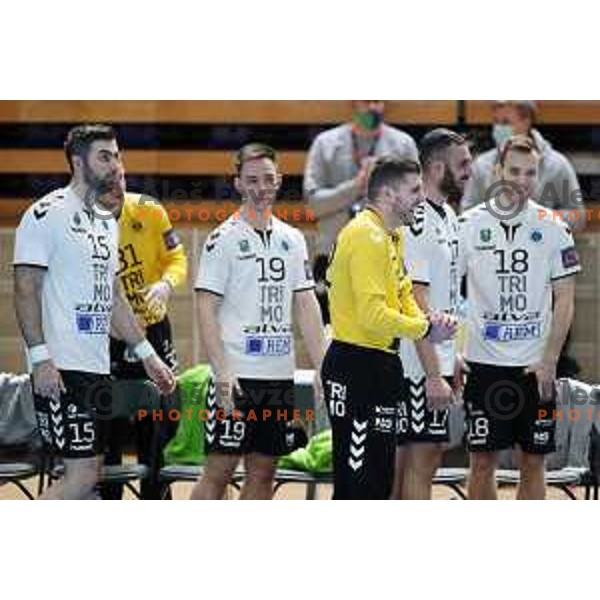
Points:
(181, 491)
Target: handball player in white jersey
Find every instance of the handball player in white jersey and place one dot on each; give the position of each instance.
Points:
(520, 264)
(254, 283)
(67, 302)
(432, 373)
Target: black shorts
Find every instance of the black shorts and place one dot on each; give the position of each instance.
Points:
(70, 426)
(125, 365)
(362, 389)
(416, 423)
(503, 409)
(262, 422)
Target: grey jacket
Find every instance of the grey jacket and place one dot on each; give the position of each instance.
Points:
(557, 187)
(330, 171)
(18, 423)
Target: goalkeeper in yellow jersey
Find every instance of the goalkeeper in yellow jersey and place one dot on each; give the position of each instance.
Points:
(152, 263)
(372, 309)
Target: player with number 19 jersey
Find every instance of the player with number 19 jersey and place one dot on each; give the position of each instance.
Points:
(256, 272)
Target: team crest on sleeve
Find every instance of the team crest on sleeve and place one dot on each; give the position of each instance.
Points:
(569, 257)
(536, 236)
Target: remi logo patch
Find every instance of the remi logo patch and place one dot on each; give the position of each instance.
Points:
(569, 257)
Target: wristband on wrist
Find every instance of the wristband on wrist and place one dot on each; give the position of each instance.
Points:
(38, 354)
(144, 350)
(428, 330)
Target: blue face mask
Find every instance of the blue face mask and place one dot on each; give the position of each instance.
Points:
(501, 132)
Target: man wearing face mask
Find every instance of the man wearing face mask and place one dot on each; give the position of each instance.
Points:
(557, 187)
(337, 170)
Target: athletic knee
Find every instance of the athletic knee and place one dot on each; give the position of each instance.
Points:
(260, 472)
(531, 464)
(80, 483)
(432, 457)
(424, 459)
(484, 464)
(219, 472)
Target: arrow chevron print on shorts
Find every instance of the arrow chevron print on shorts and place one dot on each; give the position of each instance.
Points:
(423, 424)
(417, 405)
(357, 444)
(57, 426)
(211, 422)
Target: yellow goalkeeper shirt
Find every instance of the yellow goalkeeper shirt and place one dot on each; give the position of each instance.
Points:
(149, 251)
(370, 296)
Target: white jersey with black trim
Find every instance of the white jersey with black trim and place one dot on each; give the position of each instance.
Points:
(510, 267)
(431, 259)
(257, 274)
(79, 252)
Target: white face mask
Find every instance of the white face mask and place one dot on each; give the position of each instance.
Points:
(501, 133)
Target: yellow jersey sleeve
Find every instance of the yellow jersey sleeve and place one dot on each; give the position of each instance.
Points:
(373, 274)
(173, 260)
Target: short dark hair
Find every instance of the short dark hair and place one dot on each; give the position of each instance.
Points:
(435, 143)
(518, 143)
(254, 151)
(80, 138)
(387, 170)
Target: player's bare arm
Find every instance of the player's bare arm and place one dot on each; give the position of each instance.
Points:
(437, 390)
(125, 326)
(28, 282)
(563, 292)
(210, 334)
(308, 316)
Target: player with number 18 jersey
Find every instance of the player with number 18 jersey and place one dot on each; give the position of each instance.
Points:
(511, 266)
